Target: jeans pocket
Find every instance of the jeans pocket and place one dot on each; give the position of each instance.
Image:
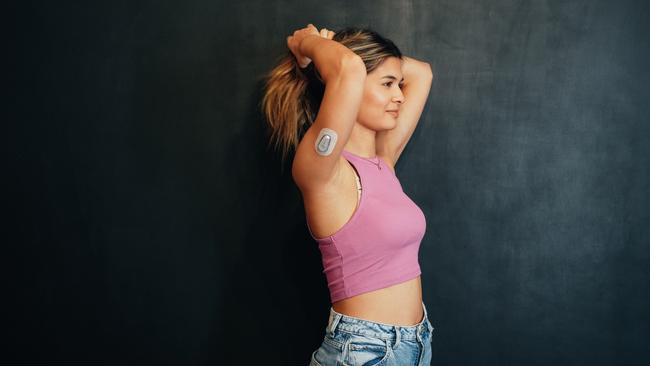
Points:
(335, 340)
(329, 350)
(368, 351)
(313, 361)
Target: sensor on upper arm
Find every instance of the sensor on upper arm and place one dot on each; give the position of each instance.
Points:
(325, 141)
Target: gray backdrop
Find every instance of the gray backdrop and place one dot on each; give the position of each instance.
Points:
(148, 223)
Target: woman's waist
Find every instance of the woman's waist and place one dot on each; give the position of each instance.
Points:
(400, 304)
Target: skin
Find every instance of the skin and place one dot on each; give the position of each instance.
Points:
(400, 304)
(376, 132)
(381, 94)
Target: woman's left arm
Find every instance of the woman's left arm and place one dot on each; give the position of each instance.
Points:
(417, 83)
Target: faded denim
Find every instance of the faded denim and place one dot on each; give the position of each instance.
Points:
(351, 341)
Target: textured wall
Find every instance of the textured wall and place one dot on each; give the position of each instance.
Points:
(149, 224)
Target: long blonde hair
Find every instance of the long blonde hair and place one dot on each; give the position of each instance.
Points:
(292, 95)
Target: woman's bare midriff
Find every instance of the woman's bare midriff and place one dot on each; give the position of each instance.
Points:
(400, 304)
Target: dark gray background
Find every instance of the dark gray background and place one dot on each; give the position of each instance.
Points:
(150, 224)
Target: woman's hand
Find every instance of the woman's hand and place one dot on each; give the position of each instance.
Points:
(293, 42)
(326, 33)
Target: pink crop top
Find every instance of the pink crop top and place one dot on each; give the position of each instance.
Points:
(378, 246)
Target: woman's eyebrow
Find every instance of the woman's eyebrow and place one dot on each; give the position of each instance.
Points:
(391, 77)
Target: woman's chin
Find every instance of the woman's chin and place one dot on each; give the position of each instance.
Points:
(392, 124)
(387, 124)
(389, 127)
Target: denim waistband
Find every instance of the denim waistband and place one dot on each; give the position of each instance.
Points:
(376, 329)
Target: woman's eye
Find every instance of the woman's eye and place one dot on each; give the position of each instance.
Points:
(391, 83)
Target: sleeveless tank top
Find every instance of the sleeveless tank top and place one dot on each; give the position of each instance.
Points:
(378, 247)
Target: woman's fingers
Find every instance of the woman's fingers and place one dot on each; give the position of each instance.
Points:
(325, 33)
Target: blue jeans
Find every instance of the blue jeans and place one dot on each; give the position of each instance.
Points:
(353, 341)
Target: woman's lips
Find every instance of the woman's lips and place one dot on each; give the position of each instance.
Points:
(394, 113)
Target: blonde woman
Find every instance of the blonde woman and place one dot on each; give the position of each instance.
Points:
(348, 102)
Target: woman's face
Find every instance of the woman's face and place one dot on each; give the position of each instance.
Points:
(382, 93)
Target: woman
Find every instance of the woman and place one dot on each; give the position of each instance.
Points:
(368, 98)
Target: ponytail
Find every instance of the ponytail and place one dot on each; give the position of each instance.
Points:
(290, 103)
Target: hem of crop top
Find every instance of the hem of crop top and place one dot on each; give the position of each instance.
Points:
(354, 291)
(355, 214)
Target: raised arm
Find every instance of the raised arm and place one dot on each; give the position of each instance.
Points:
(343, 72)
(417, 83)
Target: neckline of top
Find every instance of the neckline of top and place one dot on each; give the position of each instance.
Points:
(363, 157)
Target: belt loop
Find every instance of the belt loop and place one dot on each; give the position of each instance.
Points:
(334, 321)
(398, 336)
(426, 317)
(425, 309)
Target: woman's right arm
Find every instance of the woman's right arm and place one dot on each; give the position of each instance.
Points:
(344, 75)
(328, 56)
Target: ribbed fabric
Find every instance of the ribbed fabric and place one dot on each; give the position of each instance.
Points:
(379, 245)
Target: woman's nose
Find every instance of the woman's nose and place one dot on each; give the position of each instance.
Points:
(398, 97)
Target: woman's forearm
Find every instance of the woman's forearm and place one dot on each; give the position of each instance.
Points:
(413, 69)
(328, 56)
